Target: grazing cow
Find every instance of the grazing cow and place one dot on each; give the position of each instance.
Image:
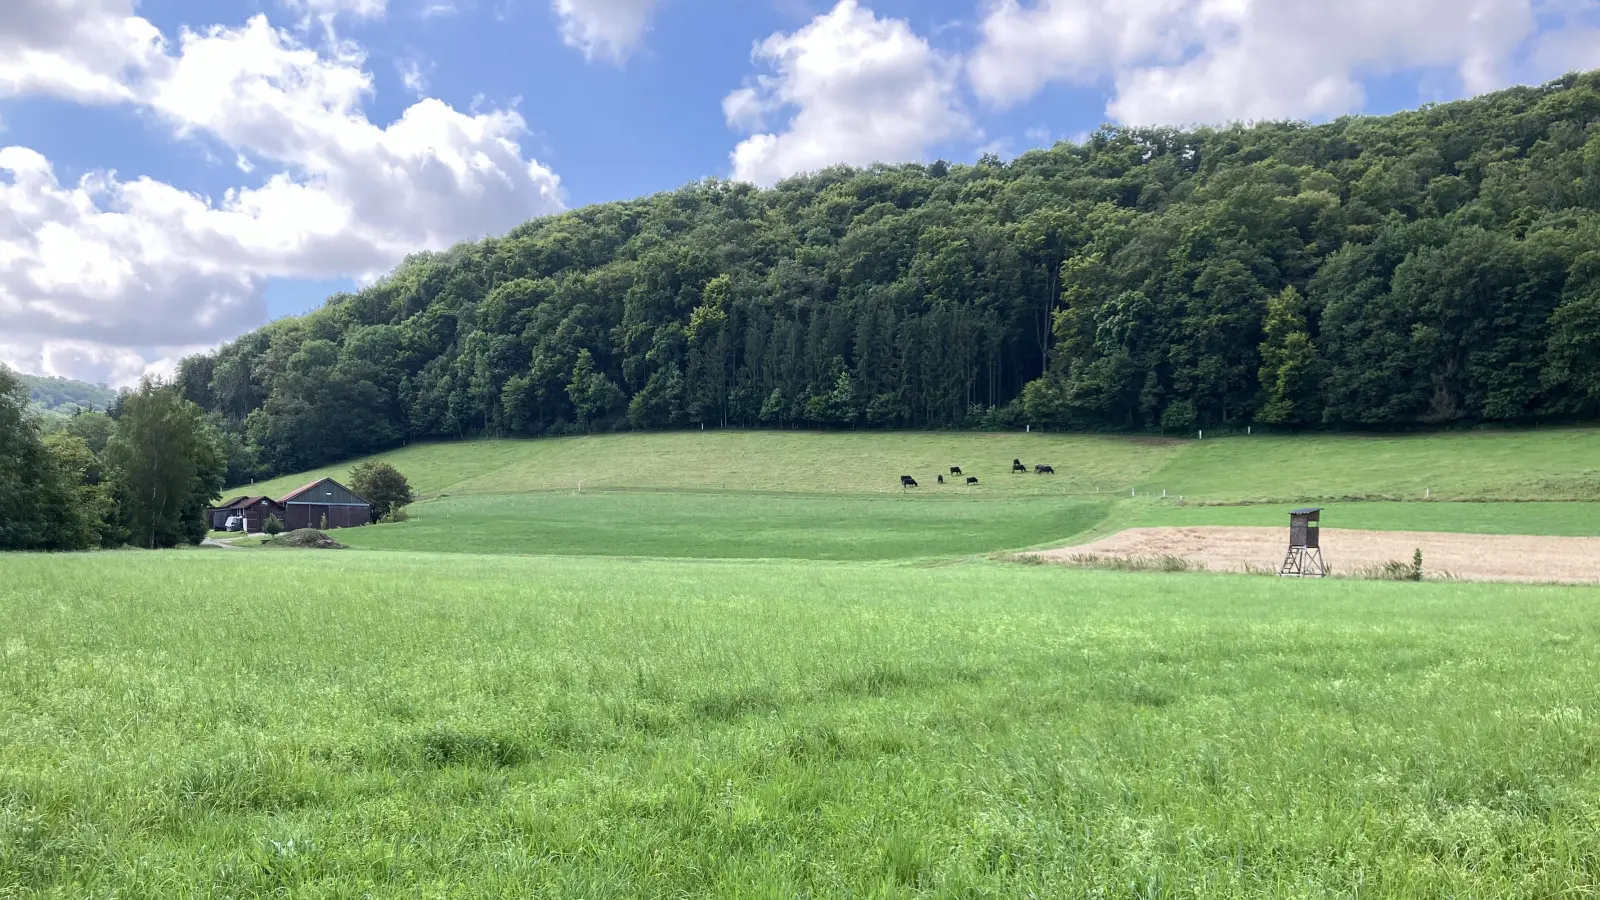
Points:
(956, 470)
(1044, 470)
(941, 479)
(907, 481)
(1017, 466)
(971, 480)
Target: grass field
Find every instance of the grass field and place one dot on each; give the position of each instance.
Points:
(728, 525)
(1558, 519)
(769, 461)
(404, 725)
(758, 494)
(744, 664)
(1549, 464)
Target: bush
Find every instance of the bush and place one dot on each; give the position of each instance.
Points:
(274, 525)
(382, 485)
(394, 515)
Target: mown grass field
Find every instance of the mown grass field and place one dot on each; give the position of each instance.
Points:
(759, 494)
(718, 525)
(1544, 464)
(402, 725)
(1573, 519)
(769, 461)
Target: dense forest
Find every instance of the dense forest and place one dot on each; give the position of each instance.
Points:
(63, 396)
(1418, 270)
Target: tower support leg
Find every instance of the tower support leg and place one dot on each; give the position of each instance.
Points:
(1303, 562)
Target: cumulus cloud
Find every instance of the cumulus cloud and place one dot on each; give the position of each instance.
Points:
(604, 29)
(1184, 61)
(856, 88)
(140, 267)
(83, 50)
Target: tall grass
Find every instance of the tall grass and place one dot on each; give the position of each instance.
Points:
(400, 725)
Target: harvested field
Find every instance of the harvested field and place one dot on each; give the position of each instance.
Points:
(1473, 557)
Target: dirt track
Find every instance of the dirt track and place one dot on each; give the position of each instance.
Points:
(1473, 557)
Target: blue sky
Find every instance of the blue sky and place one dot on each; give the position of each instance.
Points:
(174, 172)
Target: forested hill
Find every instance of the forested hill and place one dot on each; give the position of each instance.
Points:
(64, 396)
(1425, 268)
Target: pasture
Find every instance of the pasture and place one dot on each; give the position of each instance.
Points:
(837, 496)
(727, 525)
(768, 461)
(400, 725)
(748, 664)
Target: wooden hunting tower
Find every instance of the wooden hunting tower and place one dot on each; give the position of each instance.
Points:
(1305, 546)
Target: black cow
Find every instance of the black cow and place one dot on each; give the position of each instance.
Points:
(1017, 466)
(956, 470)
(971, 480)
(941, 479)
(907, 481)
(1043, 470)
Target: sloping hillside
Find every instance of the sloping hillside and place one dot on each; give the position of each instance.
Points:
(1147, 280)
(1550, 464)
(790, 462)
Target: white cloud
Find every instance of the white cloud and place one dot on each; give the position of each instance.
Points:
(604, 29)
(94, 363)
(1184, 61)
(361, 9)
(861, 90)
(140, 266)
(411, 74)
(83, 50)
(117, 265)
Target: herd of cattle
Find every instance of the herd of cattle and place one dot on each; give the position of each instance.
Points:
(906, 481)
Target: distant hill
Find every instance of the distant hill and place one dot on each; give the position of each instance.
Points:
(63, 396)
(1429, 268)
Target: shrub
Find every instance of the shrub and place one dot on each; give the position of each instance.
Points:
(382, 485)
(273, 526)
(395, 514)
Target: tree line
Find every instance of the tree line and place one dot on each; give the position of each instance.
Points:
(1424, 269)
(64, 396)
(140, 475)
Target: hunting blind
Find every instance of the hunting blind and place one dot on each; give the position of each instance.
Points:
(1305, 547)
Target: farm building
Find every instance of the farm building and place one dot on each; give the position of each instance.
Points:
(324, 501)
(254, 510)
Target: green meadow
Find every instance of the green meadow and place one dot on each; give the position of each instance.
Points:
(401, 725)
(725, 525)
(1573, 519)
(836, 496)
(769, 461)
(747, 664)
(1544, 464)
